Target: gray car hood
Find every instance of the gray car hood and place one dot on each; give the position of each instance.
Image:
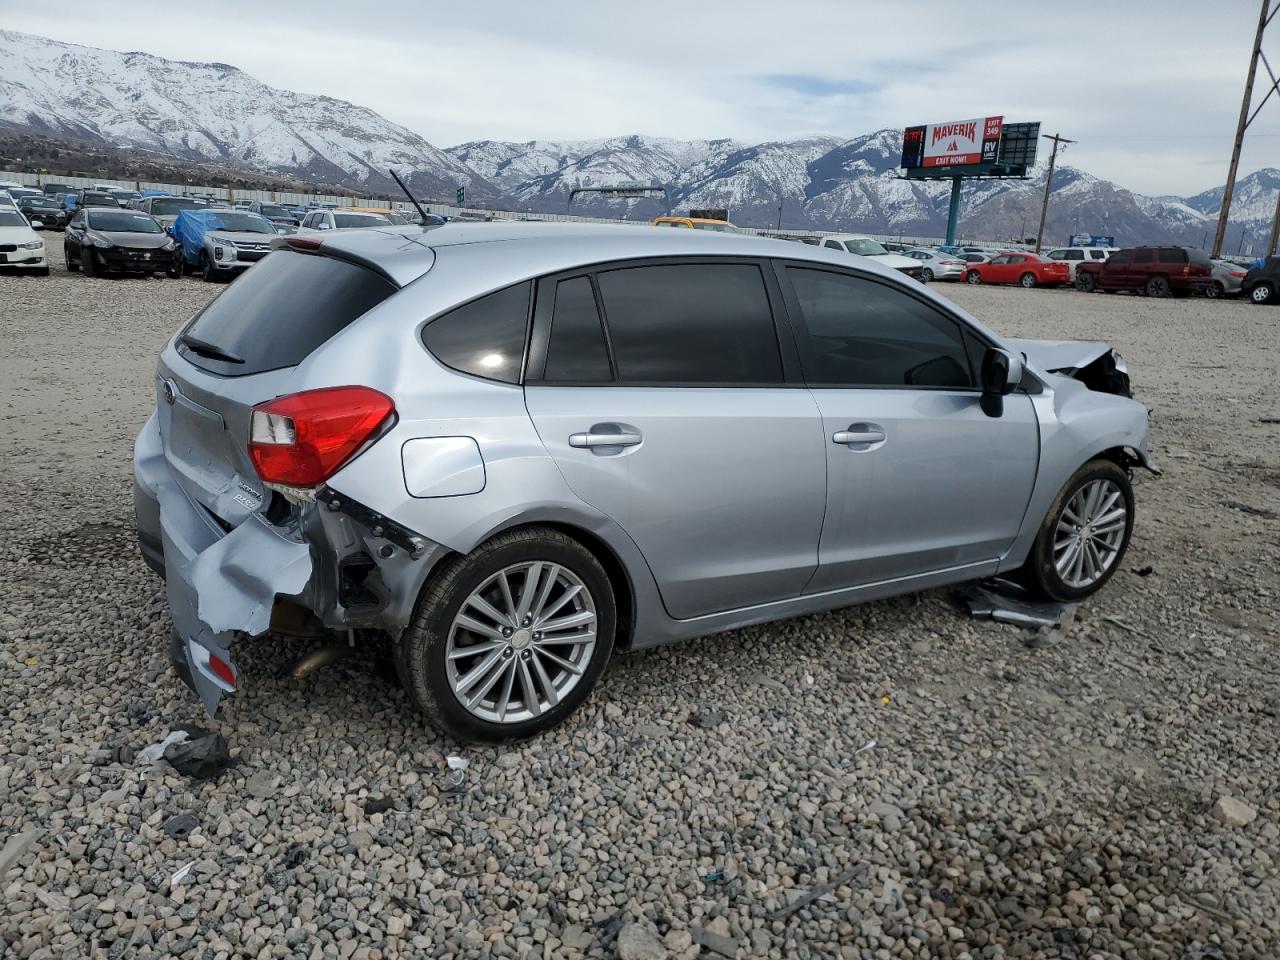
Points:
(1054, 355)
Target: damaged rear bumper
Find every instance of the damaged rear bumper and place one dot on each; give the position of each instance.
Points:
(343, 564)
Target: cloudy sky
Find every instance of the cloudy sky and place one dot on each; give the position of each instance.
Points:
(1152, 100)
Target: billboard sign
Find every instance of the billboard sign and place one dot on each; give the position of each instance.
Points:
(1092, 240)
(955, 144)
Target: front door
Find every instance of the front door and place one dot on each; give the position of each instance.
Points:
(919, 479)
(673, 418)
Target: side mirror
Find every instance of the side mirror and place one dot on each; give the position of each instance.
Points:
(37, 224)
(1001, 374)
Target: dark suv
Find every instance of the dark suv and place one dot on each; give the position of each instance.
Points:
(1156, 271)
(1262, 284)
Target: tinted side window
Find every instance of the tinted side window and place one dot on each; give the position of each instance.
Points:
(1172, 255)
(1144, 256)
(485, 337)
(576, 350)
(858, 332)
(691, 323)
(1121, 256)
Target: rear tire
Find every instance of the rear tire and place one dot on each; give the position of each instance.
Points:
(1262, 293)
(1050, 569)
(1157, 287)
(1028, 280)
(926, 275)
(1215, 291)
(427, 652)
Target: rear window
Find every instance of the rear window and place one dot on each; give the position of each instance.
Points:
(276, 314)
(360, 220)
(485, 337)
(167, 205)
(1173, 255)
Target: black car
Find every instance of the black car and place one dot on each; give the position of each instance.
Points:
(274, 212)
(46, 210)
(51, 189)
(96, 198)
(1262, 284)
(123, 241)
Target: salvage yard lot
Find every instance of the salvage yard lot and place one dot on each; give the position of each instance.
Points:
(967, 787)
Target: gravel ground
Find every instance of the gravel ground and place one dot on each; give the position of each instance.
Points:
(946, 787)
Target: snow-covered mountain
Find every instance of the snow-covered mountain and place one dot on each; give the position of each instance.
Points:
(215, 113)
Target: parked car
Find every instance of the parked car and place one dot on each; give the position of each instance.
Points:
(166, 209)
(99, 240)
(20, 246)
(973, 257)
(220, 242)
(273, 212)
(94, 198)
(49, 189)
(1228, 280)
(126, 197)
(354, 429)
(935, 265)
(1155, 271)
(45, 210)
(695, 223)
(18, 194)
(1024, 269)
(861, 246)
(1262, 284)
(320, 220)
(1074, 255)
(6, 200)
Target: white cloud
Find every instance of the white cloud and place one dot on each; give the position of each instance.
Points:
(1151, 100)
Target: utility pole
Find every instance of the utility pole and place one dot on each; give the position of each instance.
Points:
(1057, 139)
(1275, 230)
(1246, 118)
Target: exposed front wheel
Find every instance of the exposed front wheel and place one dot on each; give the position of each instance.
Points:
(73, 266)
(207, 270)
(1028, 280)
(87, 262)
(1085, 282)
(1262, 293)
(926, 275)
(174, 270)
(507, 641)
(1085, 534)
(972, 277)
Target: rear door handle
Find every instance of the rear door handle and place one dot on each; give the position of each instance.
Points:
(859, 433)
(584, 440)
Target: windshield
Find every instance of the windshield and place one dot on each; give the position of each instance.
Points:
(398, 220)
(715, 227)
(865, 248)
(44, 203)
(237, 222)
(122, 222)
(359, 220)
(274, 210)
(167, 205)
(98, 200)
(12, 218)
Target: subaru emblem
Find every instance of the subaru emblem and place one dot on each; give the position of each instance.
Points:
(170, 392)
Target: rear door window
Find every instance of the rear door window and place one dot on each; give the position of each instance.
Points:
(690, 324)
(276, 314)
(1144, 256)
(576, 351)
(1173, 255)
(485, 337)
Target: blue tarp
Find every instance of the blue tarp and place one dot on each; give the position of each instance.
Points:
(155, 193)
(189, 230)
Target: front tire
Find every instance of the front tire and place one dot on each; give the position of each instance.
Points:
(87, 262)
(73, 266)
(1262, 293)
(1083, 538)
(1085, 282)
(973, 277)
(926, 275)
(1028, 280)
(509, 640)
(207, 270)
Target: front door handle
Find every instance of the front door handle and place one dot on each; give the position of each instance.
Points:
(858, 434)
(584, 440)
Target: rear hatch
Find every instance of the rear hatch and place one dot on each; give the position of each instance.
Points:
(239, 351)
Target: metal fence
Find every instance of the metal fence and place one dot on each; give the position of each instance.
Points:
(231, 195)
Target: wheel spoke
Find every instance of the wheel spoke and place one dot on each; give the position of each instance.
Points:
(1109, 518)
(548, 584)
(575, 619)
(548, 688)
(504, 586)
(1107, 504)
(476, 673)
(1110, 528)
(488, 609)
(570, 640)
(1077, 566)
(494, 676)
(504, 698)
(475, 626)
(1067, 560)
(560, 662)
(527, 589)
(526, 687)
(460, 653)
(564, 598)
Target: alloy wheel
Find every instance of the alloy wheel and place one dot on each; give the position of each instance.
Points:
(520, 642)
(1260, 294)
(1089, 534)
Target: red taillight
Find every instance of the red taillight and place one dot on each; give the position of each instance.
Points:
(1242, 273)
(222, 670)
(301, 440)
(305, 243)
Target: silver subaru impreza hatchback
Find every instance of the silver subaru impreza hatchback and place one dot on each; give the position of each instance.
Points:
(514, 448)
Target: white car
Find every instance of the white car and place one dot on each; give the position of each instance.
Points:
(867, 247)
(19, 245)
(936, 265)
(1072, 256)
(318, 220)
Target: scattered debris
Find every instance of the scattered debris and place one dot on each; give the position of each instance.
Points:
(313, 660)
(638, 942)
(53, 901)
(814, 894)
(1041, 638)
(15, 847)
(262, 785)
(295, 856)
(1146, 571)
(1233, 812)
(1003, 600)
(155, 752)
(715, 876)
(716, 943)
(105, 755)
(707, 720)
(455, 777)
(869, 745)
(378, 805)
(201, 755)
(180, 824)
(1269, 419)
(180, 874)
(1251, 509)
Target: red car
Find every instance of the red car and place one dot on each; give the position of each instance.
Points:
(1027, 269)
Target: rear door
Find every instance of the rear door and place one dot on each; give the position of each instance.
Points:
(1143, 265)
(660, 390)
(919, 479)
